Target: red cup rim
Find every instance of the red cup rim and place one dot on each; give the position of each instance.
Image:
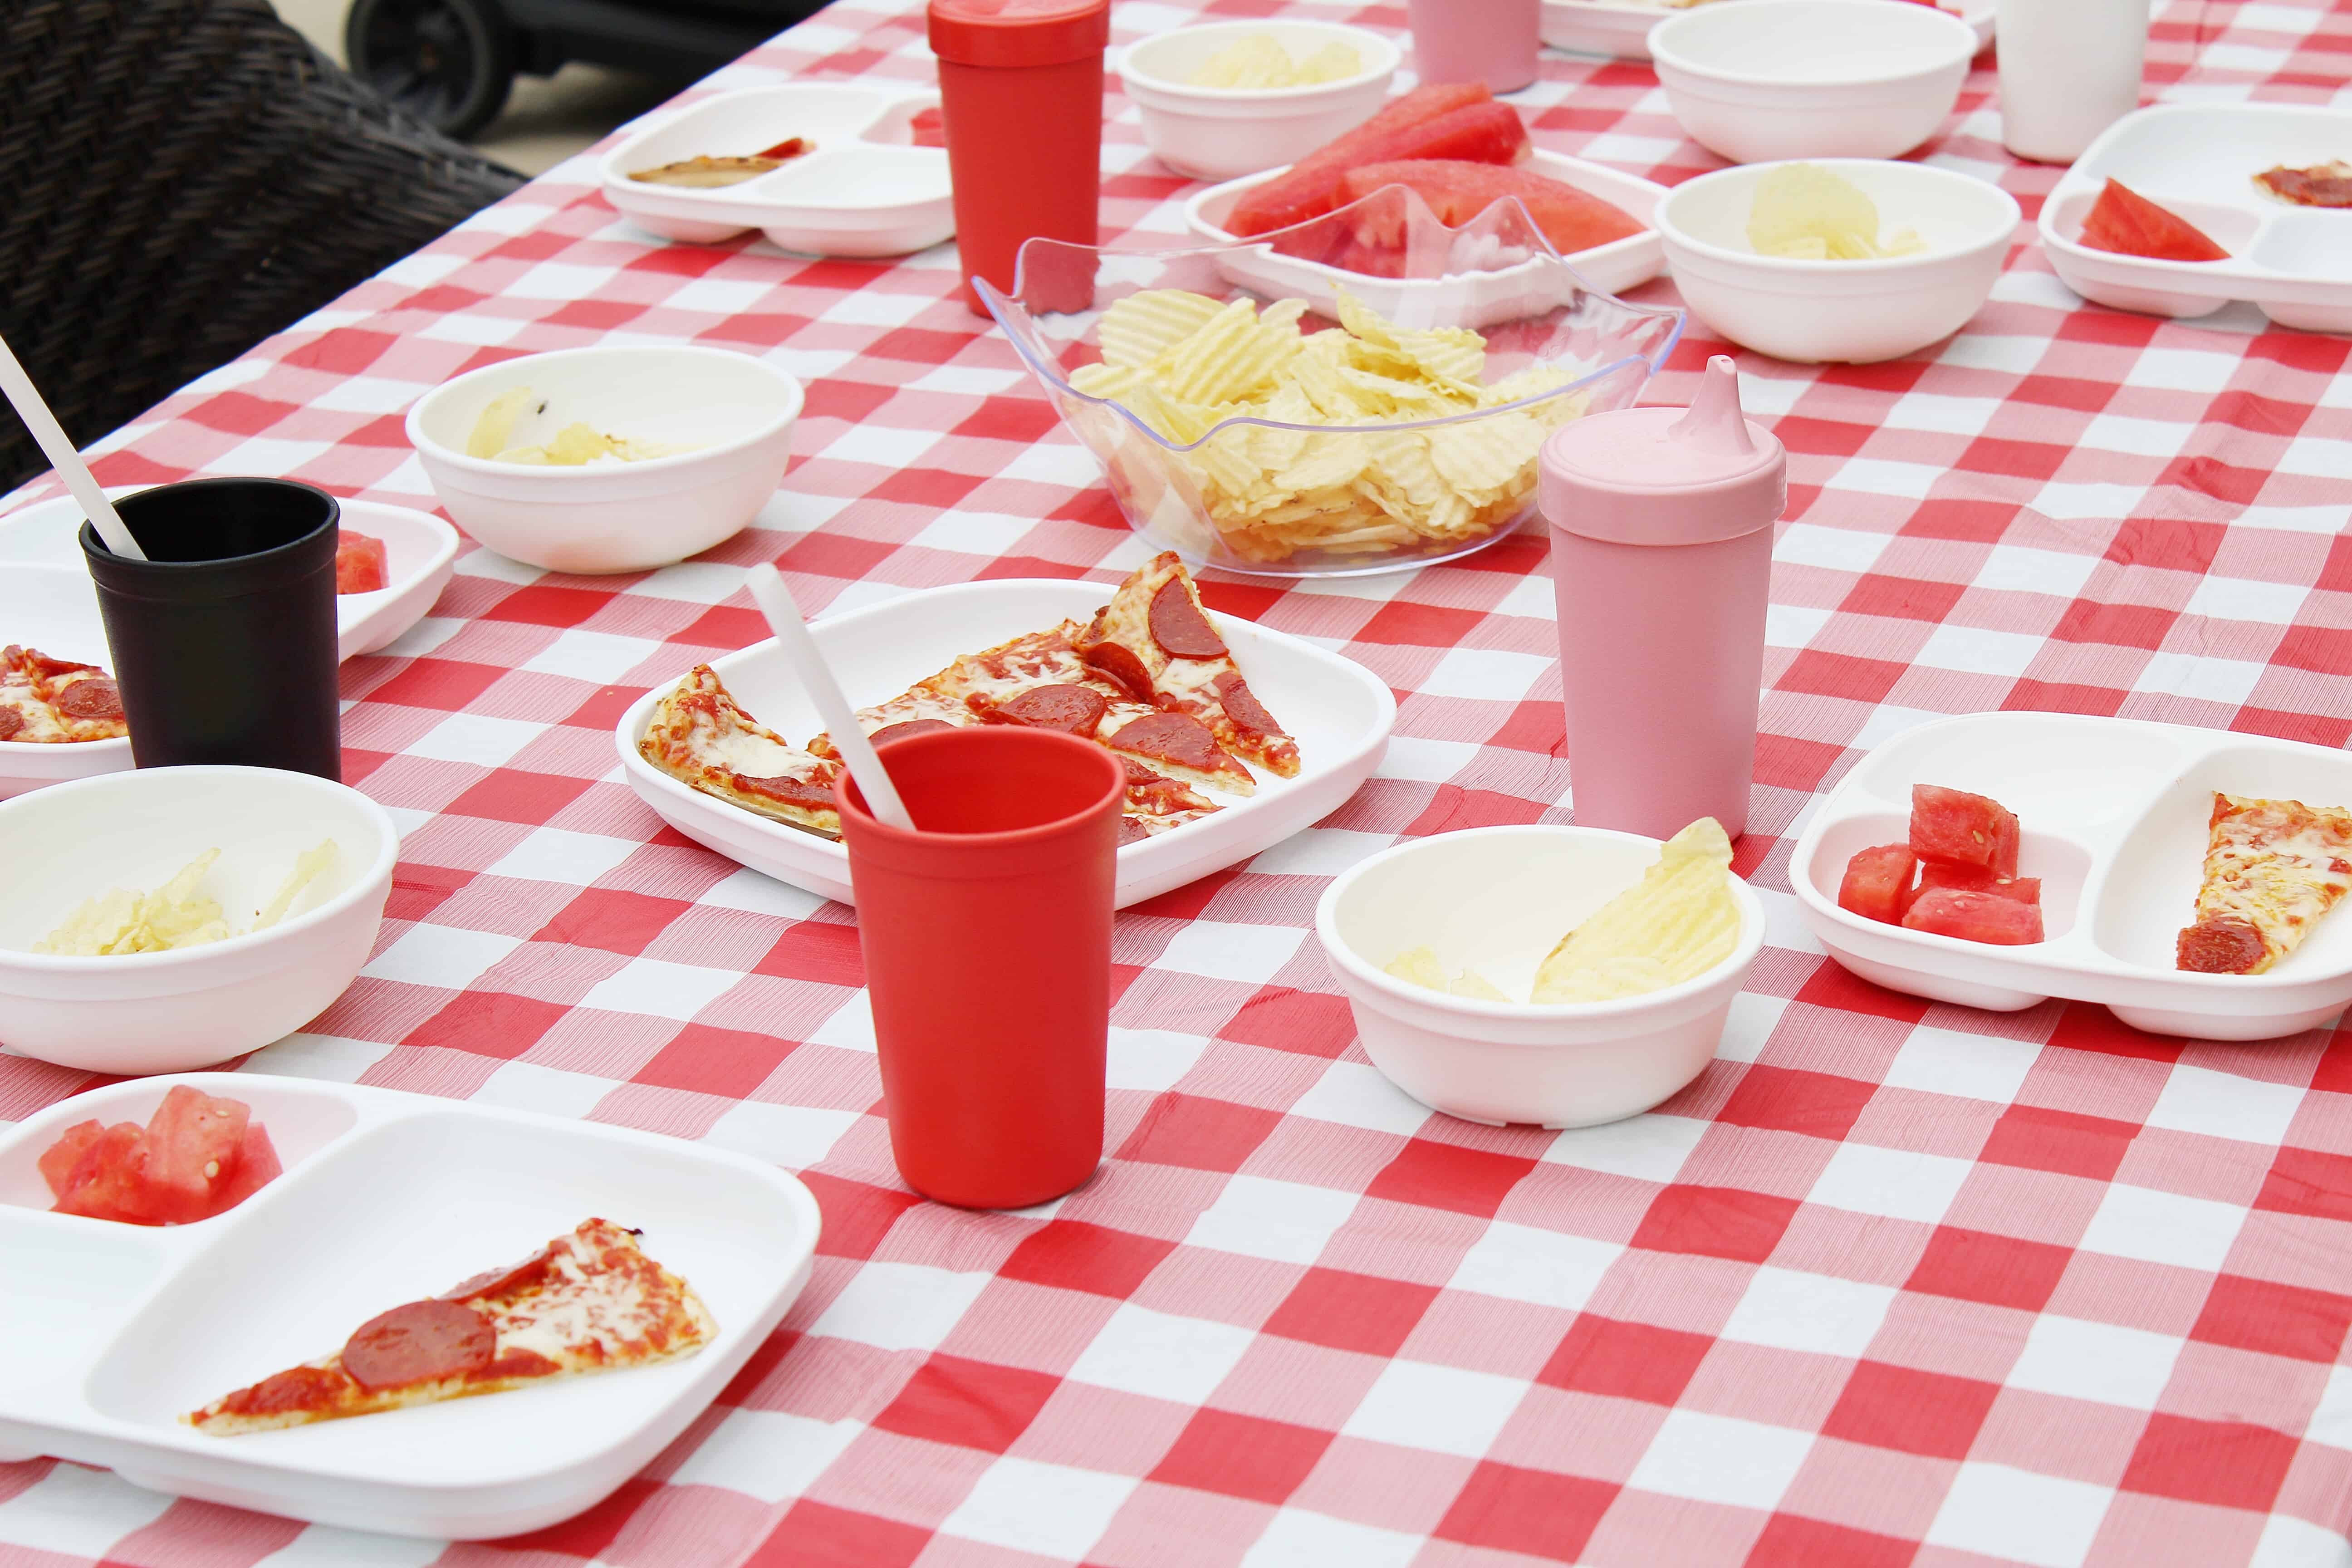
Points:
(846, 797)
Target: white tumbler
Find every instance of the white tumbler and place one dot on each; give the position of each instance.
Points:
(2068, 68)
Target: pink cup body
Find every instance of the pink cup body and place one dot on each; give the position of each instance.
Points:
(1661, 656)
(987, 945)
(1493, 41)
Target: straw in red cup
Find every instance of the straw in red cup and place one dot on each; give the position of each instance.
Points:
(986, 932)
(1021, 90)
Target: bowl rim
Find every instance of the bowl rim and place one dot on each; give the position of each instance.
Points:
(380, 869)
(412, 425)
(1359, 971)
(1387, 59)
(1665, 57)
(1673, 233)
(999, 305)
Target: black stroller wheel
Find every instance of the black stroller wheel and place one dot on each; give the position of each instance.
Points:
(448, 62)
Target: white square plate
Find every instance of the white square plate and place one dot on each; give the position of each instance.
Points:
(1340, 712)
(2115, 814)
(109, 1332)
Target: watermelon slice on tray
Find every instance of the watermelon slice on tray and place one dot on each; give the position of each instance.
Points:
(1457, 191)
(2128, 224)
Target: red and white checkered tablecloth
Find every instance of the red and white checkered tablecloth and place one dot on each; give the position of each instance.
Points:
(1892, 1283)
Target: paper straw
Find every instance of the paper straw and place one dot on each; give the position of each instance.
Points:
(775, 602)
(51, 438)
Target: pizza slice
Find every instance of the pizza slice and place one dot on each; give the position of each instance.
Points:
(1155, 641)
(46, 700)
(587, 1301)
(2272, 870)
(701, 737)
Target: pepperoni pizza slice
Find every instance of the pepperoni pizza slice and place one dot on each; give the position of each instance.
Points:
(2272, 870)
(701, 737)
(1154, 641)
(56, 701)
(587, 1301)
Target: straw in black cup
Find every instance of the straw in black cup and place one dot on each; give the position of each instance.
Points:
(223, 638)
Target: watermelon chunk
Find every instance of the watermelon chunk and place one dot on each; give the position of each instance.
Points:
(1980, 880)
(256, 1166)
(1957, 829)
(360, 564)
(1457, 192)
(58, 1160)
(1310, 187)
(2124, 221)
(1975, 917)
(1877, 882)
(192, 1142)
(929, 128)
(109, 1181)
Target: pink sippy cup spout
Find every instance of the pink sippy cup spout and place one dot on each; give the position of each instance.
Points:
(1715, 422)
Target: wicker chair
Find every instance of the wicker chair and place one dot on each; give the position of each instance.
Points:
(178, 179)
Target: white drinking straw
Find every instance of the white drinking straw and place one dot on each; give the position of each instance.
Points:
(775, 602)
(51, 438)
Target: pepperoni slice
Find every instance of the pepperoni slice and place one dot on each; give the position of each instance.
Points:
(1137, 774)
(514, 1277)
(1243, 708)
(421, 1341)
(1121, 665)
(1131, 832)
(1175, 738)
(516, 1364)
(1073, 709)
(1178, 625)
(50, 669)
(97, 698)
(10, 723)
(2224, 945)
(283, 1392)
(787, 791)
(889, 732)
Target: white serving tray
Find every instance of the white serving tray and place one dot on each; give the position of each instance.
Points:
(1596, 27)
(109, 1332)
(865, 191)
(1502, 294)
(1340, 711)
(46, 601)
(2199, 160)
(2115, 814)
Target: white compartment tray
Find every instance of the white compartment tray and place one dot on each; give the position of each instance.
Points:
(1499, 295)
(1340, 712)
(2199, 160)
(109, 1331)
(2115, 814)
(867, 190)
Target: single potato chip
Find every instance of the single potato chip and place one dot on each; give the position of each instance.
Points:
(1680, 920)
(494, 431)
(1419, 967)
(1806, 213)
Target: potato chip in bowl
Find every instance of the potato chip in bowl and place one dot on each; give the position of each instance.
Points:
(1296, 437)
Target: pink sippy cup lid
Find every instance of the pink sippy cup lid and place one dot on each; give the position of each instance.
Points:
(1667, 476)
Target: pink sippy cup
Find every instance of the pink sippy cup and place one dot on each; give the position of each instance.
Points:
(1662, 557)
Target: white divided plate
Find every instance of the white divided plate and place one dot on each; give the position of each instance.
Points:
(1610, 269)
(866, 190)
(1340, 712)
(2115, 814)
(1595, 27)
(46, 601)
(2199, 161)
(109, 1332)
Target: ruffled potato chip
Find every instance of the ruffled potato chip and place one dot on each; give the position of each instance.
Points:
(1806, 213)
(1679, 922)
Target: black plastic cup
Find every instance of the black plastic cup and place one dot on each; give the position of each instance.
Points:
(223, 638)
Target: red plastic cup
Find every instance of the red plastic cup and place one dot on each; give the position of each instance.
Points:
(987, 941)
(1021, 90)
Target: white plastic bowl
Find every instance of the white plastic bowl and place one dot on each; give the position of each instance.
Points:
(1858, 311)
(1811, 79)
(1499, 898)
(1220, 134)
(169, 1012)
(613, 516)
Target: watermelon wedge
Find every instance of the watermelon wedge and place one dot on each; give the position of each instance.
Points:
(1458, 191)
(1877, 882)
(1408, 128)
(2124, 221)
